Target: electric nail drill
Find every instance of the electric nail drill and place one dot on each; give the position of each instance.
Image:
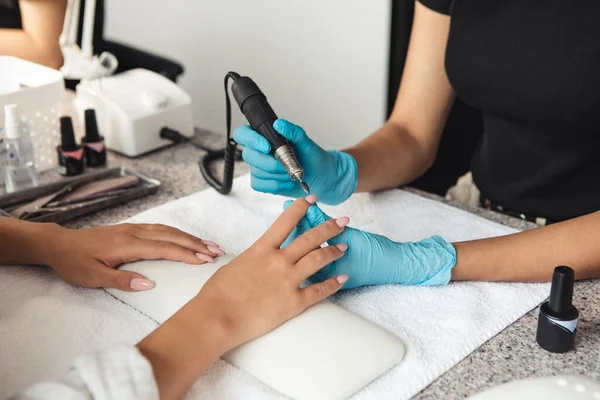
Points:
(253, 104)
(261, 117)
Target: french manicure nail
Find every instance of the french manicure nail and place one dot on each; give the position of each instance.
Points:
(205, 257)
(215, 250)
(311, 199)
(342, 246)
(209, 243)
(342, 279)
(342, 222)
(141, 284)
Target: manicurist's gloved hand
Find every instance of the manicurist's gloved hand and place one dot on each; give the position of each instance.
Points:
(331, 175)
(373, 259)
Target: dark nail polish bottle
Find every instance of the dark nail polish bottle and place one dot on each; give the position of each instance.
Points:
(70, 154)
(557, 323)
(93, 143)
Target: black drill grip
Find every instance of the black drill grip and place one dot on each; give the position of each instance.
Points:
(257, 110)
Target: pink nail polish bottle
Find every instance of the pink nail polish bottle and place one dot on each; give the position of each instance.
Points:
(93, 142)
(70, 155)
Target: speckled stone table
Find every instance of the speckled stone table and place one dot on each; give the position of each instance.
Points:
(512, 354)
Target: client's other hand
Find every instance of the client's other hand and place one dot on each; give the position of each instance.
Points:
(260, 289)
(88, 257)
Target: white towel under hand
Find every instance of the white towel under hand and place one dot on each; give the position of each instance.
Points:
(44, 323)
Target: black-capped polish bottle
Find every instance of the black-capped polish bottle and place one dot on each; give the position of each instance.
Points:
(70, 154)
(557, 323)
(93, 142)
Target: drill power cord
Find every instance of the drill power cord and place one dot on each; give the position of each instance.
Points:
(230, 153)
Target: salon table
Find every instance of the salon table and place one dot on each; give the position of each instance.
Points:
(512, 354)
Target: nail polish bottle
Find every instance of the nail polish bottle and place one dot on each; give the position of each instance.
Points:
(557, 323)
(93, 142)
(70, 154)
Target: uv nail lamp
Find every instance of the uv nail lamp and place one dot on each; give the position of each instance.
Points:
(132, 107)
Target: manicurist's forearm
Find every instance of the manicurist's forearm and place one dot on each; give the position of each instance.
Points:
(531, 256)
(388, 158)
(42, 23)
(185, 346)
(24, 242)
(18, 43)
(406, 145)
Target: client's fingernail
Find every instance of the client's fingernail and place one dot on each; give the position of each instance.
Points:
(342, 222)
(215, 250)
(141, 284)
(342, 279)
(342, 246)
(205, 257)
(311, 198)
(209, 243)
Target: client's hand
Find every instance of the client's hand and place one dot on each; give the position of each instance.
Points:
(265, 280)
(87, 257)
(255, 293)
(374, 259)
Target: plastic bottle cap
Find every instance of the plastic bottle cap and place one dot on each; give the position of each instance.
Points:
(91, 127)
(12, 121)
(67, 134)
(561, 291)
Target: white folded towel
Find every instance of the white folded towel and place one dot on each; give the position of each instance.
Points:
(44, 323)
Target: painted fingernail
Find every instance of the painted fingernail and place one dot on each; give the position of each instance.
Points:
(342, 246)
(342, 279)
(205, 257)
(312, 198)
(342, 222)
(215, 250)
(209, 243)
(141, 284)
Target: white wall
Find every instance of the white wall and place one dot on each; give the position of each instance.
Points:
(322, 63)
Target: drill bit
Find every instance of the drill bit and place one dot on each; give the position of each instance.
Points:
(304, 186)
(285, 155)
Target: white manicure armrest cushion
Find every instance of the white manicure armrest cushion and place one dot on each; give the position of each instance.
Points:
(326, 352)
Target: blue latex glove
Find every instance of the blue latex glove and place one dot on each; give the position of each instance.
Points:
(374, 259)
(331, 175)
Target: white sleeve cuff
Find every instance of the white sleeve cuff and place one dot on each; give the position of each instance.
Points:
(121, 372)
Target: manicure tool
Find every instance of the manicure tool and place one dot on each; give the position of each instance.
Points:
(253, 104)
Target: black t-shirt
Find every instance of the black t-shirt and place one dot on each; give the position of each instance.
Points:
(533, 68)
(10, 15)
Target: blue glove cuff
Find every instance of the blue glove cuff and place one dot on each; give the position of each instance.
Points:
(347, 178)
(442, 259)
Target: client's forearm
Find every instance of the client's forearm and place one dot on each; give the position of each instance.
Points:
(388, 158)
(531, 256)
(24, 242)
(184, 347)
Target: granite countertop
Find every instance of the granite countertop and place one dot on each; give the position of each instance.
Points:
(512, 354)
